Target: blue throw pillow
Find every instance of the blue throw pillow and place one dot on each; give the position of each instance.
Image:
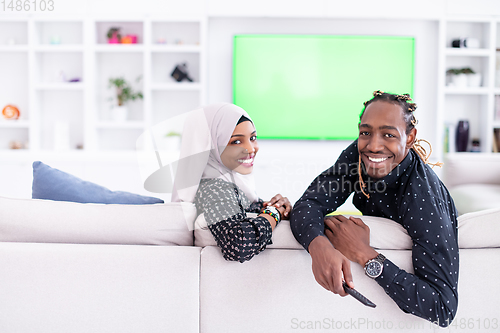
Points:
(53, 184)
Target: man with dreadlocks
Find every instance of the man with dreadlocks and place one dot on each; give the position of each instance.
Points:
(388, 172)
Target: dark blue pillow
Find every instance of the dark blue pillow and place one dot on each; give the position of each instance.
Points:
(53, 184)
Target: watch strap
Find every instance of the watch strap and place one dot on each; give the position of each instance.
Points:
(380, 257)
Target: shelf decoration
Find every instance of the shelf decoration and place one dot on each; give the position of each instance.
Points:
(16, 145)
(462, 136)
(470, 43)
(463, 77)
(129, 39)
(124, 94)
(180, 73)
(114, 36)
(11, 112)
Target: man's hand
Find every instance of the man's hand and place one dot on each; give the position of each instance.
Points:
(351, 237)
(328, 264)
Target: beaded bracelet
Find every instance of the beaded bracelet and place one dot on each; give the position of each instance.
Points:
(273, 212)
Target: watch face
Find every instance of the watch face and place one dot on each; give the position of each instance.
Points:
(373, 268)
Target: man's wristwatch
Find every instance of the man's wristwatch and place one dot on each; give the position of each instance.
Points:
(274, 212)
(374, 267)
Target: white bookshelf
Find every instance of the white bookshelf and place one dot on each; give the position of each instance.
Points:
(475, 104)
(39, 55)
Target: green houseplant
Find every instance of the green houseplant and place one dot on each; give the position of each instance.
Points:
(124, 93)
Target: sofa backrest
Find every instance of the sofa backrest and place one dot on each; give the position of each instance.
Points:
(47, 221)
(471, 168)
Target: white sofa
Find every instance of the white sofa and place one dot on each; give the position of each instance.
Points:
(70, 267)
(473, 180)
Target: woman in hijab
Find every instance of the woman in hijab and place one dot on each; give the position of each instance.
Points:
(219, 145)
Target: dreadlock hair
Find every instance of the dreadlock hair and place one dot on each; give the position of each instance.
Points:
(408, 107)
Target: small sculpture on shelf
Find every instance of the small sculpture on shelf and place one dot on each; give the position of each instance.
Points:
(11, 112)
(180, 73)
(124, 93)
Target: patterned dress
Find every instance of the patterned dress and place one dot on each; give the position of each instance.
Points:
(225, 207)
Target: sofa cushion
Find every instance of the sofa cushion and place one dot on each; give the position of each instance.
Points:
(471, 168)
(479, 229)
(54, 184)
(475, 197)
(33, 220)
(384, 234)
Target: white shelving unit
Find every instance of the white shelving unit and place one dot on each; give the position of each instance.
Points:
(40, 55)
(475, 104)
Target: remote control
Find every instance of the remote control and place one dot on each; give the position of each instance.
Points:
(357, 295)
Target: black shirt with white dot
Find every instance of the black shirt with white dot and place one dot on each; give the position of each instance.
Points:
(411, 195)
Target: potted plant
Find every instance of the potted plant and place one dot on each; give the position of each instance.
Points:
(172, 141)
(124, 93)
(473, 78)
(113, 35)
(457, 77)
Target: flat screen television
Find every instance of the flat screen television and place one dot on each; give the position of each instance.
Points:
(314, 86)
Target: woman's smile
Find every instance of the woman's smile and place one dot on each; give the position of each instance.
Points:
(247, 162)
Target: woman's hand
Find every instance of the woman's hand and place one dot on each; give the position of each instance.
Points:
(281, 203)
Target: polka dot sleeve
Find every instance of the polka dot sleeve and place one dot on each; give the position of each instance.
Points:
(431, 291)
(224, 206)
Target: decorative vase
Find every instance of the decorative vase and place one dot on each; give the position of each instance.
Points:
(462, 137)
(120, 113)
(114, 39)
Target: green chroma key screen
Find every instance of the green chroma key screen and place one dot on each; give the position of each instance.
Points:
(314, 86)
